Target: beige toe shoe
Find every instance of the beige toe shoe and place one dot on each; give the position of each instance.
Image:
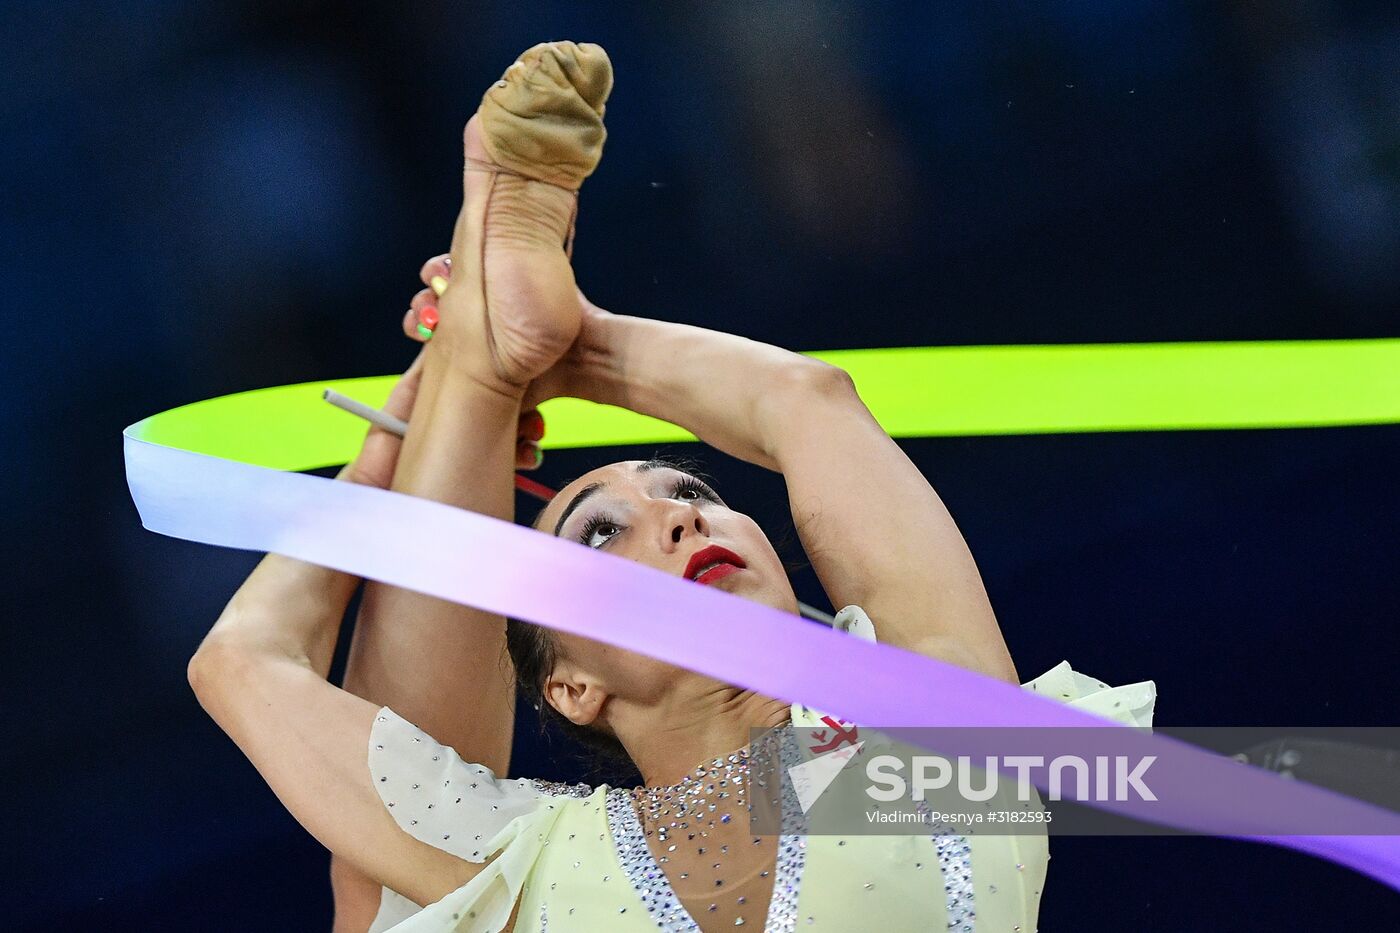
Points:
(544, 118)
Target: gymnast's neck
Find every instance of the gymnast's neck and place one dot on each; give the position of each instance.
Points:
(669, 739)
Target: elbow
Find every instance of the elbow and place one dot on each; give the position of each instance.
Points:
(800, 384)
(810, 379)
(204, 668)
(213, 667)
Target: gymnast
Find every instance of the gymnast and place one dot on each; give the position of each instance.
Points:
(400, 774)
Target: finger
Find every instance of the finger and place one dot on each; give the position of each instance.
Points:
(421, 299)
(420, 303)
(528, 456)
(437, 266)
(411, 319)
(410, 326)
(531, 426)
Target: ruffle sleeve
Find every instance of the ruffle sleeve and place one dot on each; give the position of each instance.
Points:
(459, 807)
(1131, 704)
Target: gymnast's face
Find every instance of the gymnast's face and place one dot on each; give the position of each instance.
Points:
(654, 514)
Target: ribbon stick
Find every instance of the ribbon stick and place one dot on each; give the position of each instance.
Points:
(195, 474)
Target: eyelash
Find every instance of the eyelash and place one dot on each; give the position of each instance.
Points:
(685, 483)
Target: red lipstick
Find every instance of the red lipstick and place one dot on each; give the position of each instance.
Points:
(712, 564)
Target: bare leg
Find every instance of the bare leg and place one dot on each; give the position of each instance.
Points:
(510, 312)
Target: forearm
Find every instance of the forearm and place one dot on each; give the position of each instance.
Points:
(286, 610)
(414, 653)
(735, 394)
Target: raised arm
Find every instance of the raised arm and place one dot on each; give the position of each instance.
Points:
(875, 530)
(261, 674)
(261, 671)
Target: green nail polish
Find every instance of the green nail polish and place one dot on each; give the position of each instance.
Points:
(425, 332)
(539, 456)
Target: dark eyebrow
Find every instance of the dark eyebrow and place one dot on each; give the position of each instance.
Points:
(686, 466)
(655, 463)
(577, 501)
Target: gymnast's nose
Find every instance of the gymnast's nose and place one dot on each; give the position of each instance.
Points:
(682, 522)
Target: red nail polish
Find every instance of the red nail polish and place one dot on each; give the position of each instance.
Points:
(429, 317)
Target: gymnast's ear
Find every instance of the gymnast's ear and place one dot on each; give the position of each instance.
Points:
(577, 695)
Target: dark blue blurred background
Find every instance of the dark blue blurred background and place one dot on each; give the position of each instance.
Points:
(202, 197)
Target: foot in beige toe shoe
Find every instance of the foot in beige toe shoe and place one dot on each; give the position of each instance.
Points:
(538, 134)
(544, 118)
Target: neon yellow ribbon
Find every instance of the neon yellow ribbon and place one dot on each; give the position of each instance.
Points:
(914, 392)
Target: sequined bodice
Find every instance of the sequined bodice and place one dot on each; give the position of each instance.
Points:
(911, 882)
(689, 852)
(575, 857)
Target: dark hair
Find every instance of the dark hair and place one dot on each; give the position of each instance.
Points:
(534, 649)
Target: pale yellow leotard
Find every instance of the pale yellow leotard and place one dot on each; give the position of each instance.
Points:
(575, 857)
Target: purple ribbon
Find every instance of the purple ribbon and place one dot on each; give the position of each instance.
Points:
(503, 568)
